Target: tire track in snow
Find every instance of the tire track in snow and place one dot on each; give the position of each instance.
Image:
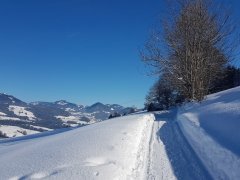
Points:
(159, 166)
(150, 176)
(140, 170)
(171, 155)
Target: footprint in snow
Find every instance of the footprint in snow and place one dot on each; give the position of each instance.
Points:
(96, 174)
(98, 161)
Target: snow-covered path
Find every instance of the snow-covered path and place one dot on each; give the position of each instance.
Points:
(203, 140)
(170, 156)
(116, 149)
(128, 148)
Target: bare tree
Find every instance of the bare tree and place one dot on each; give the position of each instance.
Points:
(193, 47)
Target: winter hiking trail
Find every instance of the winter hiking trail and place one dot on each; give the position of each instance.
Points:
(143, 146)
(170, 155)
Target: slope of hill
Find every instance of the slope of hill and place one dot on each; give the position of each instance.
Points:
(129, 147)
(212, 128)
(105, 150)
(171, 144)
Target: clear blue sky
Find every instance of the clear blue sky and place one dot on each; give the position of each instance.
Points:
(83, 51)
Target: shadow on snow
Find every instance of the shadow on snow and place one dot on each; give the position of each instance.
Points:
(185, 164)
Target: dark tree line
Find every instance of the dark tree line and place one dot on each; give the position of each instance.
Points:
(191, 53)
(114, 115)
(162, 96)
(230, 78)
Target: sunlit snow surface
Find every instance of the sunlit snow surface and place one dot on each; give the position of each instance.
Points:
(106, 150)
(212, 128)
(197, 141)
(21, 111)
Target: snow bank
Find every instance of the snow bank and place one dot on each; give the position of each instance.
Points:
(212, 129)
(111, 149)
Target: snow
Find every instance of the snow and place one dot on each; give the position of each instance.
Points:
(159, 164)
(9, 118)
(40, 127)
(170, 155)
(21, 111)
(212, 129)
(67, 118)
(34, 103)
(197, 141)
(72, 121)
(62, 103)
(15, 131)
(11, 99)
(115, 149)
(69, 109)
(2, 114)
(83, 122)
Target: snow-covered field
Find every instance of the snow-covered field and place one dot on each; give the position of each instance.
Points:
(114, 149)
(197, 141)
(15, 131)
(21, 111)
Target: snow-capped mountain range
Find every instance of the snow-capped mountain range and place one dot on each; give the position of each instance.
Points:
(19, 118)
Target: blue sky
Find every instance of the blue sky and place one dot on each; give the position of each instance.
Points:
(83, 51)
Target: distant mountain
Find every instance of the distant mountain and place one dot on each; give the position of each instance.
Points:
(96, 107)
(70, 107)
(10, 100)
(19, 118)
(102, 111)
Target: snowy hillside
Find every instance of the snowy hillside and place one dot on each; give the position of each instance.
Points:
(196, 141)
(212, 128)
(114, 149)
(18, 118)
(141, 146)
